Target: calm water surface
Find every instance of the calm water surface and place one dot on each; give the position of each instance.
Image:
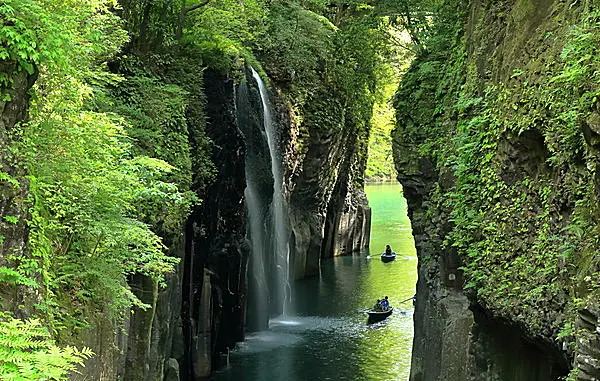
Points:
(328, 337)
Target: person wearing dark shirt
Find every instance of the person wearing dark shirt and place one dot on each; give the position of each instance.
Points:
(377, 306)
(385, 304)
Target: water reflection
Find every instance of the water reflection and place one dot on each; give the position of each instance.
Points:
(329, 338)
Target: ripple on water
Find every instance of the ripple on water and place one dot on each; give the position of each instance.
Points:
(329, 338)
(266, 341)
(316, 325)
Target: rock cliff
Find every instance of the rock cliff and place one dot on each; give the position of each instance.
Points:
(329, 212)
(328, 215)
(325, 157)
(13, 186)
(214, 285)
(495, 148)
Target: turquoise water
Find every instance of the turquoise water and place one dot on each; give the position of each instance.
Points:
(328, 338)
(390, 224)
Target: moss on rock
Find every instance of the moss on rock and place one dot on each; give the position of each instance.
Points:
(504, 103)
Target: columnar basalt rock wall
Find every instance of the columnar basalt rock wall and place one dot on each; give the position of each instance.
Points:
(154, 336)
(216, 242)
(348, 218)
(329, 213)
(495, 149)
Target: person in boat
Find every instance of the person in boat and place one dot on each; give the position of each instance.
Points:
(377, 306)
(388, 250)
(385, 304)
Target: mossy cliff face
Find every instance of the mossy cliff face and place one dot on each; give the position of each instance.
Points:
(326, 123)
(329, 213)
(496, 147)
(13, 186)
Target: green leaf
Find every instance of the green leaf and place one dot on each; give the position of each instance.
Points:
(11, 219)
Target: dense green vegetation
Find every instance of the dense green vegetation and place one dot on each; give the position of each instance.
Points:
(380, 164)
(28, 352)
(97, 193)
(113, 155)
(514, 146)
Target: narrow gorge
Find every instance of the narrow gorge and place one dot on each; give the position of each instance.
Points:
(170, 172)
(494, 147)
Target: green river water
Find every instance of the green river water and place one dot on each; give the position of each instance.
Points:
(328, 337)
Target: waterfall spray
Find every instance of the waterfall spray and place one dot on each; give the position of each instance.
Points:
(279, 229)
(268, 230)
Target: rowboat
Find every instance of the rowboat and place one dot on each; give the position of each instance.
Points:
(379, 315)
(388, 258)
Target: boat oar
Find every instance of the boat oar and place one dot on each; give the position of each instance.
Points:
(411, 298)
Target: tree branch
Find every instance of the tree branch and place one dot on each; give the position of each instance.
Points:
(194, 7)
(182, 14)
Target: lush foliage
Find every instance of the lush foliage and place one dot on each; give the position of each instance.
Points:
(227, 32)
(28, 354)
(88, 190)
(380, 164)
(31, 35)
(152, 25)
(516, 155)
(93, 191)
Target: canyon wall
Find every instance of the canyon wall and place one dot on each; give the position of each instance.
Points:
(495, 147)
(166, 105)
(328, 214)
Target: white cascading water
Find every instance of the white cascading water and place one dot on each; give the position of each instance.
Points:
(279, 233)
(258, 239)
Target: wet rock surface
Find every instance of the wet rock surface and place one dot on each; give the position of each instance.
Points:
(502, 326)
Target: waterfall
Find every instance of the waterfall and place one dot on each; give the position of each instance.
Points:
(269, 286)
(279, 229)
(256, 224)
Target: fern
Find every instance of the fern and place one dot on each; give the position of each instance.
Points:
(13, 277)
(27, 352)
